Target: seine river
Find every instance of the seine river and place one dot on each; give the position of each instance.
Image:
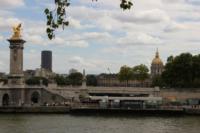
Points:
(60, 123)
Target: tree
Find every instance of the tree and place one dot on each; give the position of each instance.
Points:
(125, 74)
(75, 78)
(168, 73)
(182, 71)
(61, 80)
(57, 17)
(196, 70)
(91, 80)
(157, 81)
(140, 72)
(36, 81)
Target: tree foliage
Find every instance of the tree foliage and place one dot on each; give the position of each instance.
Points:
(58, 17)
(91, 80)
(125, 74)
(182, 71)
(140, 72)
(61, 80)
(71, 79)
(158, 81)
(75, 78)
(37, 81)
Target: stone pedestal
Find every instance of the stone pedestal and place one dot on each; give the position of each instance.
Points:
(16, 76)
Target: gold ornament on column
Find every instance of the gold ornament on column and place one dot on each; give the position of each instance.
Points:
(17, 32)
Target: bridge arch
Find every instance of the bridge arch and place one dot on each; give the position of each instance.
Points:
(35, 97)
(5, 100)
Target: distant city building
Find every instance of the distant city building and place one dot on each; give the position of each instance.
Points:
(40, 72)
(157, 66)
(2, 75)
(29, 73)
(112, 80)
(73, 71)
(46, 60)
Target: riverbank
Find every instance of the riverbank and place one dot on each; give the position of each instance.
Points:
(152, 112)
(43, 109)
(90, 111)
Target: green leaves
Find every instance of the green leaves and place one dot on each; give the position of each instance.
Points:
(46, 11)
(182, 71)
(75, 78)
(139, 72)
(66, 23)
(126, 4)
(57, 17)
(125, 74)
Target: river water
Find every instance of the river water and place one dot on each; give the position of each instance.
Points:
(61, 123)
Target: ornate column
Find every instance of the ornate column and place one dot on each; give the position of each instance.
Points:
(16, 76)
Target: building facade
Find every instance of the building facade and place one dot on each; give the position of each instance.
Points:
(45, 73)
(113, 80)
(46, 60)
(157, 66)
(72, 70)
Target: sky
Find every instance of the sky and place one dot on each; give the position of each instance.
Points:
(101, 35)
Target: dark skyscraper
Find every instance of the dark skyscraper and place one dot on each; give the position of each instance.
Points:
(46, 60)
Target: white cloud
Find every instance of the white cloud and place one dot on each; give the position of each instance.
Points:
(39, 40)
(7, 23)
(138, 39)
(76, 59)
(35, 39)
(193, 2)
(11, 3)
(74, 23)
(1, 38)
(174, 27)
(143, 17)
(92, 65)
(173, 1)
(80, 44)
(5, 13)
(80, 62)
(102, 3)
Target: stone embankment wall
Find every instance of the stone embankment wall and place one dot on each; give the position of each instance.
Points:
(70, 92)
(41, 109)
(180, 94)
(14, 96)
(50, 97)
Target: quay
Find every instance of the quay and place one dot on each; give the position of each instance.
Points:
(40, 109)
(107, 111)
(68, 110)
(140, 112)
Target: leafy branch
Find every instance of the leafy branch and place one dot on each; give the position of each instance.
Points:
(57, 17)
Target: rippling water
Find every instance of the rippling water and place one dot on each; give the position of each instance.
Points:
(50, 123)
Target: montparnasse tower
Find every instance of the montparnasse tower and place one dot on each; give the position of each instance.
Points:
(157, 66)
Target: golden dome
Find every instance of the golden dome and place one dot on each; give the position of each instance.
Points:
(157, 60)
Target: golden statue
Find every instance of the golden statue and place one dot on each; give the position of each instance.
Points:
(17, 32)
